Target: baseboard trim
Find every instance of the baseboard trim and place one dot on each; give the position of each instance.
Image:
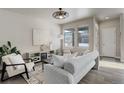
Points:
(122, 61)
(117, 57)
(110, 57)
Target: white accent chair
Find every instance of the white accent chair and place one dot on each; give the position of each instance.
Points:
(16, 68)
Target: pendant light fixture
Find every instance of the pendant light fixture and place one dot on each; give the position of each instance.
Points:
(60, 14)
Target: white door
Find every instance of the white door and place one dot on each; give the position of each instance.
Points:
(109, 42)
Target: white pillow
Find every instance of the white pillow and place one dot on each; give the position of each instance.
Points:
(87, 51)
(16, 60)
(80, 53)
(59, 60)
(74, 54)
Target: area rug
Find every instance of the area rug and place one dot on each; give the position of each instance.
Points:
(35, 77)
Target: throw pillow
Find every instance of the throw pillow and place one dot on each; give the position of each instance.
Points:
(60, 60)
(87, 51)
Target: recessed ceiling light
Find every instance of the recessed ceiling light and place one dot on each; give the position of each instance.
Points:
(107, 17)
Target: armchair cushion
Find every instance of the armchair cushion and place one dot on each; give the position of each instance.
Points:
(7, 61)
(17, 60)
(6, 58)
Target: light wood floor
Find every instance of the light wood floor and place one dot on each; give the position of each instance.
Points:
(110, 71)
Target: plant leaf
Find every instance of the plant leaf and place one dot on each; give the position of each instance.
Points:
(9, 43)
(18, 52)
(1, 49)
(2, 52)
(13, 50)
(5, 49)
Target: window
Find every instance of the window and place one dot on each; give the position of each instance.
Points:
(69, 37)
(74, 37)
(83, 37)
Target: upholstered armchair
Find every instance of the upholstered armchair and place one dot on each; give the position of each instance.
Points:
(15, 65)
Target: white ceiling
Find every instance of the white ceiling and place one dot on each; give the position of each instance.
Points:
(74, 13)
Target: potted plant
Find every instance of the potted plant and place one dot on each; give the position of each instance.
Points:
(7, 49)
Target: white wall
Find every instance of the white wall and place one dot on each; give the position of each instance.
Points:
(96, 34)
(122, 36)
(17, 28)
